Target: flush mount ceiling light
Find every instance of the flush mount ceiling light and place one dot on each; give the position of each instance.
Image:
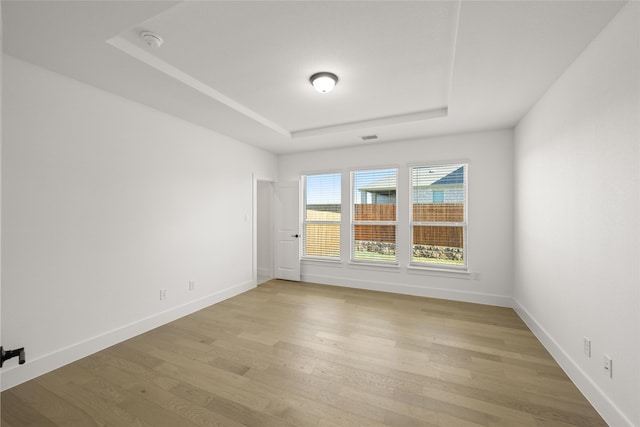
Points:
(151, 39)
(324, 82)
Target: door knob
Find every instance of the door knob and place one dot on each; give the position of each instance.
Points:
(295, 235)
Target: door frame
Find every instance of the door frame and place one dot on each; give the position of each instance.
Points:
(254, 262)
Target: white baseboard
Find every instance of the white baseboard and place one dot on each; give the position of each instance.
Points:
(594, 394)
(473, 297)
(12, 376)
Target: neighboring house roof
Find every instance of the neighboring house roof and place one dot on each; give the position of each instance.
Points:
(455, 176)
(384, 184)
(424, 177)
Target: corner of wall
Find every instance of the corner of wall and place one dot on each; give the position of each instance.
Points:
(576, 270)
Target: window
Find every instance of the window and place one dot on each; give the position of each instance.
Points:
(439, 215)
(374, 218)
(322, 215)
(438, 196)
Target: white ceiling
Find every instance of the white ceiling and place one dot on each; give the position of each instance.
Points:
(406, 69)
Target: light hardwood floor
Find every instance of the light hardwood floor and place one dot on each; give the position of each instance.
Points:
(299, 354)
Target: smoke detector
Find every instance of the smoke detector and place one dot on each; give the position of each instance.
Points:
(151, 39)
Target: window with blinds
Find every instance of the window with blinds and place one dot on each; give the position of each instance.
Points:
(374, 215)
(439, 215)
(322, 215)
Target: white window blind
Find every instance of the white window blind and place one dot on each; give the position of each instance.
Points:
(322, 215)
(439, 215)
(374, 215)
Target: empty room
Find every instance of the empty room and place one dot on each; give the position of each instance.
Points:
(320, 213)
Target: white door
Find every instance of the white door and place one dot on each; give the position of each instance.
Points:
(288, 231)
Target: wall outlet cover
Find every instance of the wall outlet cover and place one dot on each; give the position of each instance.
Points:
(587, 346)
(607, 364)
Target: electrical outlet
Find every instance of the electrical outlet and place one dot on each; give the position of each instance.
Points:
(163, 294)
(586, 346)
(192, 285)
(607, 364)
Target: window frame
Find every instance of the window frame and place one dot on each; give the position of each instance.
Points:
(464, 267)
(305, 221)
(353, 222)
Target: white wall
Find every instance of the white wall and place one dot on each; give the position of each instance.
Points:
(1, 133)
(104, 203)
(490, 222)
(577, 219)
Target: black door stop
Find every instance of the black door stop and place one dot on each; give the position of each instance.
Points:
(8, 354)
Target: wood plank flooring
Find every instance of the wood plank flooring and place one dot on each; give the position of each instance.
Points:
(300, 354)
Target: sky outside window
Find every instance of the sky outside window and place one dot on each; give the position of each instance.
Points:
(326, 188)
(323, 189)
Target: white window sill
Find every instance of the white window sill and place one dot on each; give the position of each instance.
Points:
(440, 271)
(325, 261)
(373, 265)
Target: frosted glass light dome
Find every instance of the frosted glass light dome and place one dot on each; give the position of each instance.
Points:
(324, 82)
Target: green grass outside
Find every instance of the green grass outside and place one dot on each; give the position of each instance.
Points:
(424, 260)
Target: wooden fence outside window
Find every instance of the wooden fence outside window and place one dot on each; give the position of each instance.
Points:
(324, 239)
